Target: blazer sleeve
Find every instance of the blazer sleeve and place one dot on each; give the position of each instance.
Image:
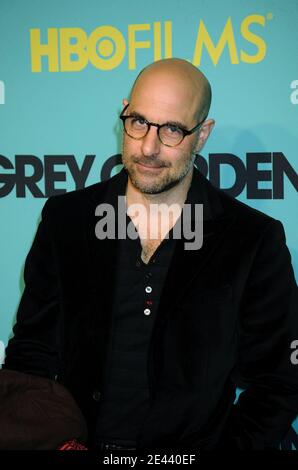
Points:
(268, 326)
(36, 344)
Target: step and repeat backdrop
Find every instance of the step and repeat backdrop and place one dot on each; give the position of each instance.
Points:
(66, 65)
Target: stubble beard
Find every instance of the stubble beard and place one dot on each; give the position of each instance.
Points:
(162, 182)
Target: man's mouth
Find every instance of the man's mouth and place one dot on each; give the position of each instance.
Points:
(151, 167)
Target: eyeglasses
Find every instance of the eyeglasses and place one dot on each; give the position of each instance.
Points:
(169, 134)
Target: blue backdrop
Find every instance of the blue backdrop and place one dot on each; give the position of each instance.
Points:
(65, 67)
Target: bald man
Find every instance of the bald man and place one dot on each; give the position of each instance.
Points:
(175, 93)
(150, 333)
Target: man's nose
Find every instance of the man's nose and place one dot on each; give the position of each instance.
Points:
(151, 143)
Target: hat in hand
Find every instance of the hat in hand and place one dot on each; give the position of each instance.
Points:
(37, 413)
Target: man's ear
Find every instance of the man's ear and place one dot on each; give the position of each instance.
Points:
(204, 133)
(124, 102)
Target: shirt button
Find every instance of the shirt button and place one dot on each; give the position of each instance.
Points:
(148, 275)
(147, 311)
(148, 289)
(96, 395)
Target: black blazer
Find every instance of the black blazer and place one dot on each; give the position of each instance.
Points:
(227, 316)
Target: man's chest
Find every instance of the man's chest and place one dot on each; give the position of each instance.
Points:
(148, 249)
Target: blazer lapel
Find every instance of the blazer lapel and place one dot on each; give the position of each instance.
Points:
(187, 264)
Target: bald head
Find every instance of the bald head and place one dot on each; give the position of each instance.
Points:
(182, 75)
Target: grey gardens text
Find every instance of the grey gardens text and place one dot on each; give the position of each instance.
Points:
(151, 222)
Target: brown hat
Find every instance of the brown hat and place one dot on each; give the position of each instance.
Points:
(37, 413)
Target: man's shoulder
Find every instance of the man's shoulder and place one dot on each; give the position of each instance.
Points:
(246, 216)
(241, 209)
(82, 198)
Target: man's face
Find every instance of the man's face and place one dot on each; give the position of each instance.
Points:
(152, 166)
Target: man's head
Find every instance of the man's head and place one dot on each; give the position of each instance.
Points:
(169, 91)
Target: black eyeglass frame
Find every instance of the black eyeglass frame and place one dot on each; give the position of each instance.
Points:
(185, 132)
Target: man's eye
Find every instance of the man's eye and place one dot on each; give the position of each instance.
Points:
(172, 129)
(137, 121)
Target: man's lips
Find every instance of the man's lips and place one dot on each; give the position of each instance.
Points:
(150, 167)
